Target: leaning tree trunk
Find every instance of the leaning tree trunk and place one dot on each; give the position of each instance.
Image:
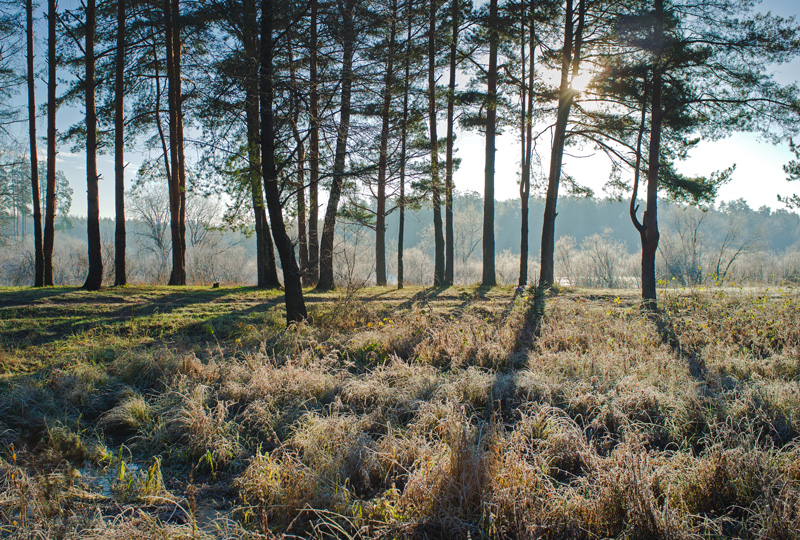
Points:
(295, 305)
(650, 219)
(449, 250)
(438, 236)
(94, 279)
(326, 247)
(489, 278)
(38, 280)
(266, 267)
(383, 159)
(120, 277)
(50, 196)
(566, 96)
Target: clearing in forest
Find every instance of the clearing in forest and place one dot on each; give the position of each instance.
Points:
(195, 413)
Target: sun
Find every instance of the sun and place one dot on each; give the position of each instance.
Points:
(581, 82)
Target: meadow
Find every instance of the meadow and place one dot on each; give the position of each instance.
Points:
(157, 412)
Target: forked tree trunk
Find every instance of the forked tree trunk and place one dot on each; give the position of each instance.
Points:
(295, 305)
(120, 277)
(438, 236)
(634, 207)
(650, 219)
(50, 196)
(489, 278)
(94, 279)
(38, 279)
(326, 247)
(449, 250)
(383, 159)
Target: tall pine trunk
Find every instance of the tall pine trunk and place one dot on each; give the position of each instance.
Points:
(650, 219)
(295, 305)
(449, 234)
(50, 196)
(326, 246)
(38, 279)
(266, 267)
(177, 191)
(438, 236)
(94, 279)
(489, 278)
(311, 275)
(526, 131)
(177, 44)
(566, 96)
(383, 159)
(120, 277)
(403, 143)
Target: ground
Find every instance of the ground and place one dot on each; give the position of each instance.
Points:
(163, 412)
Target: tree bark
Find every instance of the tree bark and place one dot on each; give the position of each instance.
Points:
(438, 267)
(383, 159)
(178, 181)
(449, 254)
(295, 305)
(650, 219)
(38, 279)
(311, 275)
(50, 196)
(572, 41)
(526, 127)
(403, 143)
(120, 277)
(326, 247)
(94, 279)
(266, 267)
(489, 278)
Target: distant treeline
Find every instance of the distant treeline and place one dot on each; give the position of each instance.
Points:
(778, 230)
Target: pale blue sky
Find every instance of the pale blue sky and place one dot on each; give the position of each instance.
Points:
(758, 179)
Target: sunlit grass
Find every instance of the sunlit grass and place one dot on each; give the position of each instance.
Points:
(416, 413)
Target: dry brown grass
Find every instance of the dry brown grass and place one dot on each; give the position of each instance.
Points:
(417, 417)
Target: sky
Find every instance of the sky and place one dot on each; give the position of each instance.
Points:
(758, 178)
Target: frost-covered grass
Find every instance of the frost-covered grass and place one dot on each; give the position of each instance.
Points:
(193, 413)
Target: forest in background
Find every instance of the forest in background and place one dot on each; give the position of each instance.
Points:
(276, 106)
(314, 405)
(595, 246)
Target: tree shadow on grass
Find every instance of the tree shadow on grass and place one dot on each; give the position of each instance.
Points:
(54, 317)
(424, 296)
(666, 331)
(26, 296)
(533, 318)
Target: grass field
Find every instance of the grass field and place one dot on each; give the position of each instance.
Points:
(147, 412)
